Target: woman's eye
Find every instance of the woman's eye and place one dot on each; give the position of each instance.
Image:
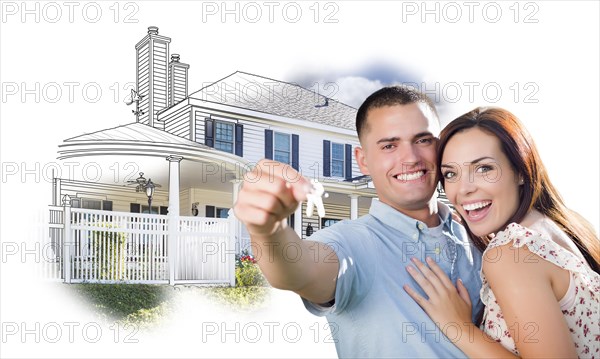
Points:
(448, 175)
(484, 169)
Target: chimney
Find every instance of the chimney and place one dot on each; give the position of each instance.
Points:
(152, 56)
(178, 80)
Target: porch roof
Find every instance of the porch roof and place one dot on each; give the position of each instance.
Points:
(141, 140)
(135, 132)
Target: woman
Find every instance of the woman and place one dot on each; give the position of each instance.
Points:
(541, 286)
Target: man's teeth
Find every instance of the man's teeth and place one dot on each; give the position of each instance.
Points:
(410, 176)
(474, 206)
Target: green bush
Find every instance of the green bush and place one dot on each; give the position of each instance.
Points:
(249, 275)
(109, 253)
(247, 272)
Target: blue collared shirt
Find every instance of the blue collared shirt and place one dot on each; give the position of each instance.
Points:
(373, 316)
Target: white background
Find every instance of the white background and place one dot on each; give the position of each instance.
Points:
(549, 49)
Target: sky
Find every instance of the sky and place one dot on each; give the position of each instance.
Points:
(67, 67)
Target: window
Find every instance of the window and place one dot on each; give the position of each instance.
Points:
(217, 212)
(141, 208)
(282, 148)
(337, 160)
(224, 136)
(91, 204)
(154, 209)
(327, 222)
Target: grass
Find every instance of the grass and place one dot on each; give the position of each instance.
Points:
(140, 304)
(145, 305)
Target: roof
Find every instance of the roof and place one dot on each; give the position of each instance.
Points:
(135, 132)
(266, 95)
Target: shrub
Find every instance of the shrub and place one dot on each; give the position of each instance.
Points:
(247, 272)
(109, 253)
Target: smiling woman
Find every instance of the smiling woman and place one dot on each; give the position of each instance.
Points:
(492, 173)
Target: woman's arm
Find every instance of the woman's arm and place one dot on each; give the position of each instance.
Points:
(521, 282)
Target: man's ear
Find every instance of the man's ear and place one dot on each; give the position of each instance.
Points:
(359, 153)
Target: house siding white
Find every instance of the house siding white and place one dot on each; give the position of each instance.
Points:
(178, 123)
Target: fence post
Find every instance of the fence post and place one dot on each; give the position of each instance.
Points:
(230, 253)
(66, 257)
(173, 239)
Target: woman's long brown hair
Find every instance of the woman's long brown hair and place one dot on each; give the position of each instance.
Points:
(537, 191)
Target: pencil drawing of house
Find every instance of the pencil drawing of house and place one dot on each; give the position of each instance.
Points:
(197, 147)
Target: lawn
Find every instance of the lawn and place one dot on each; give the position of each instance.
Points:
(145, 305)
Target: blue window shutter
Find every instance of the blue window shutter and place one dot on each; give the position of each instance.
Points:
(209, 132)
(269, 144)
(239, 140)
(348, 162)
(295, 152)
(326, 158)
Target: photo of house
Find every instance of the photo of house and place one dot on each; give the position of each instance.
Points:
(185, 156)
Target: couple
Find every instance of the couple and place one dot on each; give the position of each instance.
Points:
(406, 279)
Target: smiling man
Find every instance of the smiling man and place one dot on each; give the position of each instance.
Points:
(354, 272)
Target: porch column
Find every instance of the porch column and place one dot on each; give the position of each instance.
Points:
(67, 244)
(239, 245)
(173, 215)
(174, 184)
(298, 220)
(56, 189)
(353, 206)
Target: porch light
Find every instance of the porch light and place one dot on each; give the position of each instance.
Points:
(150, 192)
(309, 230)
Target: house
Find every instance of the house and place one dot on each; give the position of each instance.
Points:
(198, 146)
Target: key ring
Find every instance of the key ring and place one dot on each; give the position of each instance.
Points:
(315, 197)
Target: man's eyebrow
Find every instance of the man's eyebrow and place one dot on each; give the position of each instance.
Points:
(423, 134)
(388, 139)
(449, 165)
(396, 138)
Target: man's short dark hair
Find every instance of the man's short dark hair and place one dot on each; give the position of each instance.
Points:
(390, 96)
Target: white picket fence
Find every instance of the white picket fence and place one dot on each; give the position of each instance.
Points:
(96, 246)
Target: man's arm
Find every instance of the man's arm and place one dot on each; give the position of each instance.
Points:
(270, 193)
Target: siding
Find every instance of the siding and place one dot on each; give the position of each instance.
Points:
(159, 75)
(121, 197)
(331, 211)
(209, 198)
(310, 140)
(143, 87)
(178, 81)
(178, 122)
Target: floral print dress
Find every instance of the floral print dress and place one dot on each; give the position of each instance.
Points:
(580, 305)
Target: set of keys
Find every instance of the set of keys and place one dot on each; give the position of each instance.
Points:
(314, 198)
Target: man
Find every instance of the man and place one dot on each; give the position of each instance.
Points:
(354, 271)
